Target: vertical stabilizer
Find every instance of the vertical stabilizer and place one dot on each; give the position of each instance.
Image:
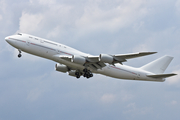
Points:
(159, 65)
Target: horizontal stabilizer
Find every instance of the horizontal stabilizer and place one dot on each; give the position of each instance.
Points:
(161, 75)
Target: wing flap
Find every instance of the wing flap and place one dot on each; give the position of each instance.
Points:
(95, 65)
(161, 75)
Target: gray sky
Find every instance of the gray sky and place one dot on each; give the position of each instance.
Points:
(30, 88)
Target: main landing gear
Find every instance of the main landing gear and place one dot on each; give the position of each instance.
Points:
(78, 74)
(19, 55)
(86, 73)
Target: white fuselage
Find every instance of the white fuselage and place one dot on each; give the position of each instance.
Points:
(50, 50)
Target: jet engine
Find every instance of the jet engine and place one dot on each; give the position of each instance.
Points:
(61, 68)
(78, 59)
(106, 58)
(72, 73)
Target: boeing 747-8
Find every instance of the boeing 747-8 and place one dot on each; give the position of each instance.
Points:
(78, 64)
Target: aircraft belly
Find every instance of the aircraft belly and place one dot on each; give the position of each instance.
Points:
(117, 73)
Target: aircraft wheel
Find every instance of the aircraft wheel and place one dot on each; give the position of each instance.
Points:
(85, 75)
(76, 73)
(85, 70)
(19, 55)
(77, 76)
(91, 75)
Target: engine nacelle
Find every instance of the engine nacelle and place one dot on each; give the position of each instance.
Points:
(78, 59)
(61, 68)
(72, 73)
(106, 58)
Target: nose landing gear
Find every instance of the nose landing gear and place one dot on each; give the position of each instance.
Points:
(19, 55)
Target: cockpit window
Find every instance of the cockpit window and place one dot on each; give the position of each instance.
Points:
(19, 34)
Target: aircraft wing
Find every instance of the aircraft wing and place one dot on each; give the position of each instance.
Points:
(161, 75)
(119, 58)
(134, 55)
(95, 65)
(93, 62)
(98, 62)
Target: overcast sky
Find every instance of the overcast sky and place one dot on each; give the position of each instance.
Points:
(31, 89)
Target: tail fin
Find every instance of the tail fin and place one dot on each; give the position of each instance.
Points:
(159, 65)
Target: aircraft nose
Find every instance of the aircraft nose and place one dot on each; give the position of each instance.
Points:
(7, 39)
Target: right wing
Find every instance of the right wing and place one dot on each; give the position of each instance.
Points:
(118, 58)
(134, 55)
(98, 62)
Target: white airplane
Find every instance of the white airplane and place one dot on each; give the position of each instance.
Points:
(78, 64)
